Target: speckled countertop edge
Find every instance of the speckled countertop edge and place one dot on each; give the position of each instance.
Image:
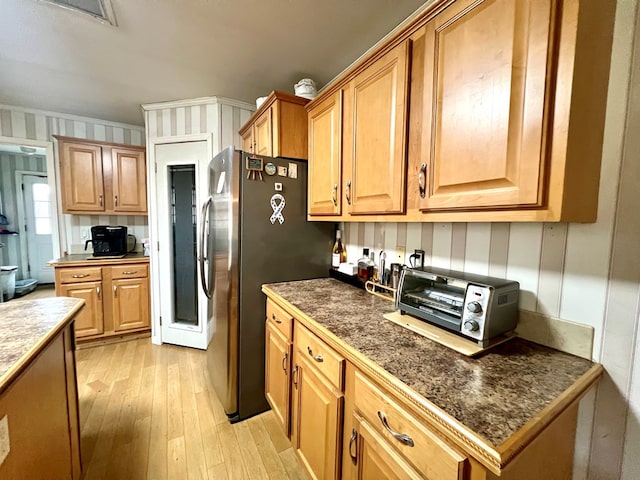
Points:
(489, 401)
(77, 259)
(27, 327)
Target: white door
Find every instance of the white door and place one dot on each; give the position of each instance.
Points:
(38, 226)
(183, 305)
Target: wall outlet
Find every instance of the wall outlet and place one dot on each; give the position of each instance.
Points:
(400, 250)
(5, 444)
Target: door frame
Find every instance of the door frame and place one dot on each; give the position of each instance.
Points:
(52, 180)
(22, 218)
(152, 192)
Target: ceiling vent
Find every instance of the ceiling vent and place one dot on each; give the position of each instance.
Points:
(100, 10)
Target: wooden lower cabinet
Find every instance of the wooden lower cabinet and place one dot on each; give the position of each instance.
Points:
(41, 411)
(89, 321)
(130, 304)
(277, 382)
(317, 420)
(348, 421)
(116, 295)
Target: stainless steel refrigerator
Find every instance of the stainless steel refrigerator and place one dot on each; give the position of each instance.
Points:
(254, 231)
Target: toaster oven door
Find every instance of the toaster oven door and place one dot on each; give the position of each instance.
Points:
(434, 298)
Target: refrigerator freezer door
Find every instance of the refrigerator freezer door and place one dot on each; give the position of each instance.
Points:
(222, 353)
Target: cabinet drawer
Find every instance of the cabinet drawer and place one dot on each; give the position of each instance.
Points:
(430, 455)
(80, 274)
(279, 318)
(323, 357)
(130, 271)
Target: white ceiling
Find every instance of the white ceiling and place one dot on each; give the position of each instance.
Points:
(54, 59)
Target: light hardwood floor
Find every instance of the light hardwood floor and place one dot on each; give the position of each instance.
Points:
(148, 412)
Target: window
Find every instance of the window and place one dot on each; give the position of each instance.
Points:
(42, 208)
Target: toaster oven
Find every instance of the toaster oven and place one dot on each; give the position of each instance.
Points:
(474, 306)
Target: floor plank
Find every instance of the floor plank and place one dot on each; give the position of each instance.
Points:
(149, 412)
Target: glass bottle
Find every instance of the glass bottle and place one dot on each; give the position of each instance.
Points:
(365, 266)
(338, 253)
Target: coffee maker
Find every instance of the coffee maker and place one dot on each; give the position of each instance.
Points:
(108, 240)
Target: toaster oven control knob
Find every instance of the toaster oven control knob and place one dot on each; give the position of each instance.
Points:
(471, 326)
(474, 307)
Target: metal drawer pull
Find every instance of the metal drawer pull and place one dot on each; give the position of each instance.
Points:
(401, 437)
(317, 358)
(294, 376)
(334, 195)
(100, 199)
(275, 319)
(284, 361)
(130, 273)
(422, 184)
(115, 290)
(352, 442)
(98, 291)
(80, 275)
(116, 200)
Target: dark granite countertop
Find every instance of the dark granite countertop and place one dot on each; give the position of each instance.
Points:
(494, 394)
(26, 327)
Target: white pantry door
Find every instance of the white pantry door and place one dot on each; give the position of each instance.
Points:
(183, 305)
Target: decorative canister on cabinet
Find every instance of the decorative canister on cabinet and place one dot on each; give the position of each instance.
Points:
(305, 88)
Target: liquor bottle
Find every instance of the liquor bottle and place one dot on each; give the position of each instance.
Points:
(338, 254)
(365, 266)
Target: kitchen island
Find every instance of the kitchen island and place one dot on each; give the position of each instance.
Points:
(39, 427)
(510, 411)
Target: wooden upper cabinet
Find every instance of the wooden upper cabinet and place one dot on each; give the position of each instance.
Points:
(325, 161)
(485, 81)
(100, 177)
(263, 134)
(81, 177)
(278, 128)
(129, 180)
(377, 142)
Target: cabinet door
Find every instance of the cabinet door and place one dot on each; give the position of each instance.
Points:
(485, 84)
(277, 384)
(247, 141)
(129, 169)
(325, 149)
(262, 134)
(130, 304)
(374, 457)
(81, 177)
(379, 119)
(89, 321)
(317, 421)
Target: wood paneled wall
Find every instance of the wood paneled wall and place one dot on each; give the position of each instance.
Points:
(20, 123)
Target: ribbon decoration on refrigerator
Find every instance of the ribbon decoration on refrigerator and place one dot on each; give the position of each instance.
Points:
(277, 208)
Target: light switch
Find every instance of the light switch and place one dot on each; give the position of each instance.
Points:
(5, 445)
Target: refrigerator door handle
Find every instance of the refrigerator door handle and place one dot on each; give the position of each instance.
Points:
(202, 255)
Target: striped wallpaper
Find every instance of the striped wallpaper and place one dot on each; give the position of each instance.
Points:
(219, 116)
(31, 124)
(9, 164)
